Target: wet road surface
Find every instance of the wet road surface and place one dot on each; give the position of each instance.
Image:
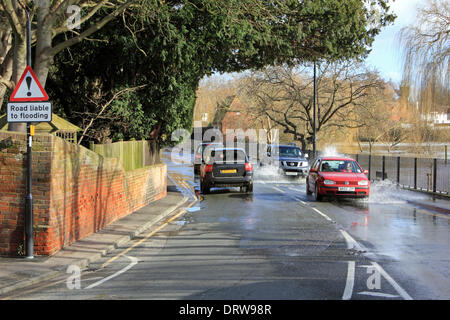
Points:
(276, 243)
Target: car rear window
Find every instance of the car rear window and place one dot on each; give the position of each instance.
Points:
(220, 156)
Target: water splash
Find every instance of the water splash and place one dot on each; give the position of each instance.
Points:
(387, 192)
(330, 151)
(271, 174)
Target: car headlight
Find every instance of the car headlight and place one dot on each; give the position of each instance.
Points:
(363, 183)
(328, 182)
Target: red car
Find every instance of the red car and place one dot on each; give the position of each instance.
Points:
(335, 176)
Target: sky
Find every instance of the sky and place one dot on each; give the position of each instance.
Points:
(386, 53)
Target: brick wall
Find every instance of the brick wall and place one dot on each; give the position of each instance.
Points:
(76, 192)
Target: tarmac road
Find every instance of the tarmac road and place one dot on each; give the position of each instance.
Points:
(276, 243)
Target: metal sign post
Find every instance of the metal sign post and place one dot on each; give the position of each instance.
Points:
(314, 112)
(29, 243)
(28, 104)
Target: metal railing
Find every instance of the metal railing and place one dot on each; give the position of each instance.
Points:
(423, 174)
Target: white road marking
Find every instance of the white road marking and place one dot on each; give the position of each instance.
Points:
(396, 286)
(134, 261)
(352, 244)
(322, 214)
(379, 294)
(348, 291)
(279, 190)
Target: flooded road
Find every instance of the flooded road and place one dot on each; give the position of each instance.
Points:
(406, 232)
(278, 243)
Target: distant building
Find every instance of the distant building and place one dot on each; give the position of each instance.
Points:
(238, 117)
(438, 118)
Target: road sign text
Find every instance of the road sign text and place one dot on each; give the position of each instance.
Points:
(29, 112)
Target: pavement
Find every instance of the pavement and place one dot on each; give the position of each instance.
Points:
(20, 272)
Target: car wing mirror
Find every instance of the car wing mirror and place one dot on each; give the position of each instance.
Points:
(366, 171)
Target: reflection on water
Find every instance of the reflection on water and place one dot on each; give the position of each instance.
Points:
(272, 174)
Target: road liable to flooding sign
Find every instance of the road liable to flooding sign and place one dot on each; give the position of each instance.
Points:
(29, 112)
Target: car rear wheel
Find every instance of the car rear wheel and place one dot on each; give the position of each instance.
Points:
(249, 188)
(317, 195)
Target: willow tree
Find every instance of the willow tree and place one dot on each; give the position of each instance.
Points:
(426, 55)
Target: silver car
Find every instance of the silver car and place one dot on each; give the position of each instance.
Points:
(289, 158)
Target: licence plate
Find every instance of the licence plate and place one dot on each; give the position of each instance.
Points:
(291, 173)
(228, 171)
(346, 188)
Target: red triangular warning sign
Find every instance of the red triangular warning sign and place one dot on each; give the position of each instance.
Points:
(28, 88)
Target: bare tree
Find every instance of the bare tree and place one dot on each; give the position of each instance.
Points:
(285, 96)
(51, 18)
(384, 117)
(101, 112)
(6, 54)
(426, 54)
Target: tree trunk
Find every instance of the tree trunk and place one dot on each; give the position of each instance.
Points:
(44, 42)
(19, 64)
(5, 59)
(154, 152)
(6, 73)
(303, 141)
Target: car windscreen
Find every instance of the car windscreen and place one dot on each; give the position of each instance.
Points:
(291, 152)
(339, 166)
(226, 156)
